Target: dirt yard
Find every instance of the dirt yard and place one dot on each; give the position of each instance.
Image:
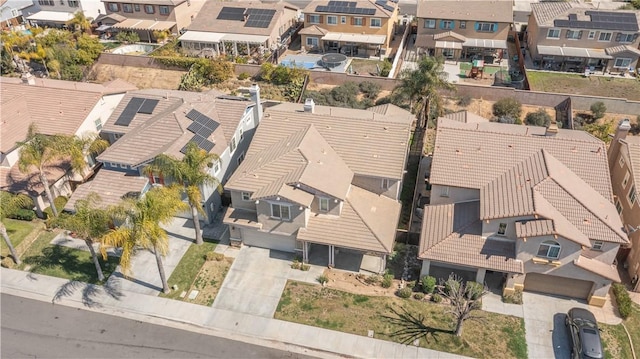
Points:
(356, 284)
(143, 78)
(209, 281)
(579, 85)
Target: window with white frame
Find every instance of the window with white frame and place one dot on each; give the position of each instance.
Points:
(625, 180)
(430, 24)
(123, 166)
(622, 62)
(357, 21)
(246, 196)
(164, 10)
(314, 19)
(343, 20)
(604, 36)
(149, 9)
(136, 7)
(618, 206)
(486, 27)
(385, 183)
(216, 167)
(332, 20)
(447, 24)
(127, 7)
(233, 145)
(597, 245)
(98, 123)
(312, 41)
(240, 158)
(502, 229)
(625, 37)
(73, 3)
(444, 191)
(323, 204)
(632, 195)
(280, 211)
(592, 35)
(574, 34)
(549, 249)
(113, 7)
(462, 24)
(553, 34)
(375, 22)
(241, 131)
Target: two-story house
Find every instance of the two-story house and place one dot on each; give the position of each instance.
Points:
(57, 13)
(355, 28)
(148, 16)
(321, 180)
(624, 164)
(54, 107)
(529, 206)
(11, 14)
(151, 122)
(464, 29)
(240, 28)
(574, 36)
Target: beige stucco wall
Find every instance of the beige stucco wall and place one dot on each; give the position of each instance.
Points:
(490, 228)
(298, 218)
(181, 14)
(386, 27)
(374, 184)
(238, 202)
(526, 251)
(456, 194)
(469, 32)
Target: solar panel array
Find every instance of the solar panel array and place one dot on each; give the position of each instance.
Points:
(344, 7)
(385, 5)
(260, 18)
(202, 127)
(136, 105)
(601, 20)
(231, 13)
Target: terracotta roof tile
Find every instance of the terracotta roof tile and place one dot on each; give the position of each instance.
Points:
(479, 10)
(363, 4)
(14, 181)
(600, 268)
(535, 228)
(111, 186)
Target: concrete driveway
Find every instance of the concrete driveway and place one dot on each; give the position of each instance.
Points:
(256, 280)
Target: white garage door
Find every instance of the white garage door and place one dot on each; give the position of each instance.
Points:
(266, 240)
(550, 284)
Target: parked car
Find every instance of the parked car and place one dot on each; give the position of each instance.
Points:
(585, 335)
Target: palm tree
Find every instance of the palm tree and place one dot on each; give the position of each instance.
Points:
(422, 85)
(9, 203)
(89, 222)
(80, 148)
(141, 226)
(192, 172)
(80, 22)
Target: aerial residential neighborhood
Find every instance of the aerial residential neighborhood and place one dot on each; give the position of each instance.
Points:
(320, 179)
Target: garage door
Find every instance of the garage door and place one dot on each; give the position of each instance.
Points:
(549, 284)
(266, 240)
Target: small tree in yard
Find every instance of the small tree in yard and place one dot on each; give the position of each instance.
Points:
(507, 106)
(539, 118)
(463, 299)
(10, 203)
(598, 110)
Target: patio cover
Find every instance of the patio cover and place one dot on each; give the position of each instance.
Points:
(448, 45)
(137, 24)
(103, 27)
(254, 39)
(57, 16)
(357, 38)
(201, 36)
(573, 52)
(486, 43)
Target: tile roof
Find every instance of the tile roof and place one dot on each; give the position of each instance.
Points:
(14, 181)
(394, 112)
(600, 268)
(534, 228)
(313, 30)
(367, 222)
(465, 117)
(478, 10)
(455, 35)
(622, 48)
(242, 217)
(111, 186)
(452, 233)
(545, 12)
(631, 145)
(362, 4)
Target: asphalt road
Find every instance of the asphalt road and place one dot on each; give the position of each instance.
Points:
(33, 329)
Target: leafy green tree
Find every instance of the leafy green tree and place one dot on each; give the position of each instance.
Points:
(192, 172)
(10, 203)
(421, 87)
(89, 48)
(539, 118)
(141, 227)
(81, 23)
(601, 130)
(507, 106)
(598, 110)
(128, 37)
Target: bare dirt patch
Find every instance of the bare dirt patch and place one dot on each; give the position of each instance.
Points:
(484, 108)
(208, 281)
(142, 77)
(356, 284)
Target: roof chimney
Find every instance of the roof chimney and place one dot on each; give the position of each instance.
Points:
(245, 17)
(254, 91)
(614, 149)
(28, 79)
(552, 130)
(309, 105)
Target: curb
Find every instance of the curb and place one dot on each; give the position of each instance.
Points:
(633, 351)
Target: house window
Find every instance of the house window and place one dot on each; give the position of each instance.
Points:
(375, 22)
(216, 167)
(446, 24)
(127, 7)
(597, 245)
(429, 24)
(574, 34)
(549, 249)
(463, 25)
(98, 124)
(164, 10)
(444, 191)
(246, 196)
(332, 20)
(46, 2)
(240, 158)
(622, 62)
(626, 179)
(123, 166)
(486, 27)
(553, 34)
(621, 161)
(625, 37)
(632, 195)
(312, 41)
(357, 21)
(604, 36)
(73, 3)
(385, 183)
(314, 19)
(233, 144)
(280, 211)
(149, 9)
(343, 19)
(502, 229)
(323, 204)
(113, 7)
(592, 35)
(241, 133)
(618, 206)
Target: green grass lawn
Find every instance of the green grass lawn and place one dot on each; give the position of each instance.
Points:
(633, 326)
(492, 336)
(488, 70)
(580, 85)
(63, 262)
(17, 231)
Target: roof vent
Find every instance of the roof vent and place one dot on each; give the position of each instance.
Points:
(309, 105)
(28, 79)
(552, 130)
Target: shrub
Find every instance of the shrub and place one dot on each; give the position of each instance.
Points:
(372, 279)
(464, 101)
(507, 106)
(538, 118)
(128, 37)
(405, 292)
(515, 298)
(436, 298)
(305, 267)
(213, 256)
(474, 290)
(428, 284)
(387, 281)
(7, 263)
(418, 296)
(60, 202)
(296, 264)
(369, 89)
(385, 68)
(623, 300)
(598, 109)
(635, 128)
(322, 279)
(243, 76)
(24, 214)
(506, 119)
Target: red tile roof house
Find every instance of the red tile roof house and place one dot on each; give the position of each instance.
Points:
(55, 107)
(323, 182)
(151, 122)
(528, 204)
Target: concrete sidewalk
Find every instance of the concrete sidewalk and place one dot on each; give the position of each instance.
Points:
(248, 328)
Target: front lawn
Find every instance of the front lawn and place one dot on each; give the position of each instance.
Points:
(63, 262)
(615, 339)
(195, 272)
(493, 336)
(17, 231)
(580, 85)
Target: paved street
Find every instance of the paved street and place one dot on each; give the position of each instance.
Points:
(34, 329)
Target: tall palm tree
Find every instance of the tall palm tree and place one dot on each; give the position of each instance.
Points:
(422, 85)
(80, 22)
(90, 222)
(9, 203)
(192, 172)
(80, 148)
(141, 227)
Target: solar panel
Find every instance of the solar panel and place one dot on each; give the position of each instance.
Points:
(193, 115)
(194, 127)
(231, 13)
(601, 20)
(211, 124)
(204, 132)
(259, 18)
(148, 106)
(206, 145)
(129, 111)
(340, 8)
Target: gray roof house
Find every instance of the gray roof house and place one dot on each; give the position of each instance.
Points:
(318, 178)
(528, 204)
